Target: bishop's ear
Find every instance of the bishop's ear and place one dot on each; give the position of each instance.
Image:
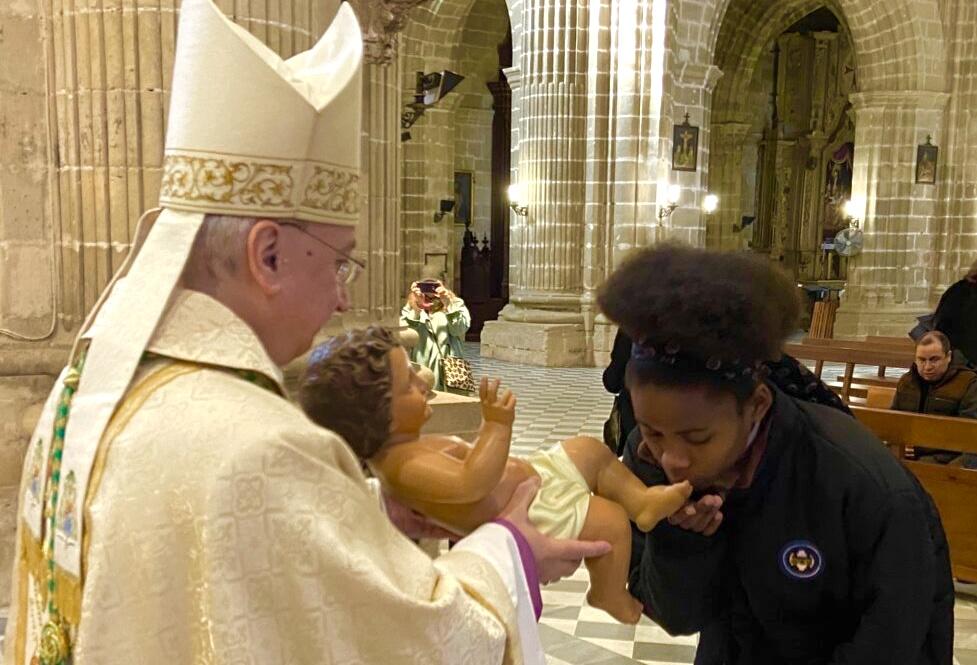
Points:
(264, 255)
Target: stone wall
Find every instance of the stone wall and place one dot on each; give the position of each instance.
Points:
(955, 231)
(647, 65)
(473, 152)
(461, 36)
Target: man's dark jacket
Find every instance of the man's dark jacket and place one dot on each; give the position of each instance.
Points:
(835, 554)
(954, 395)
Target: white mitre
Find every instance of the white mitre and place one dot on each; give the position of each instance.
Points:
(249, 135)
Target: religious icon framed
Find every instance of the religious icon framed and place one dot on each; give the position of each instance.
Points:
(927, 157)
(464, 197)
(685, 146)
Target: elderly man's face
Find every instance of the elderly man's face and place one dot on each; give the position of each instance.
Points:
(312, 260)
(932, 362)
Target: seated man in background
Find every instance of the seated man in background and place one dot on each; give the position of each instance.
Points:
(937, 386)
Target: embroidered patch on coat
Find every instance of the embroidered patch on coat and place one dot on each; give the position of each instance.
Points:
(801, 559)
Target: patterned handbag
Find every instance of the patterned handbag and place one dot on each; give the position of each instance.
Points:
(457, 374)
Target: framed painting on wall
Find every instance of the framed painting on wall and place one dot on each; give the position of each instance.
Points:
(685, 147)
(927, 157)
(440, 261)
(464, 193)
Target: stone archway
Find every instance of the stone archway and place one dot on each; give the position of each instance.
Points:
(900, 60)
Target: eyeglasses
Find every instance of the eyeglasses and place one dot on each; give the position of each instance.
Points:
(348, 270)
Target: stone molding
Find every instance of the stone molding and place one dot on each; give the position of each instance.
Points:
(514, 76)
(381, 21)
(906, 99)
(700, 75)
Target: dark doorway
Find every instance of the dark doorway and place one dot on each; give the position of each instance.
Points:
(485, 263)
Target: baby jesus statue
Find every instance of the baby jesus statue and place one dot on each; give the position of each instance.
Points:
(361, 386)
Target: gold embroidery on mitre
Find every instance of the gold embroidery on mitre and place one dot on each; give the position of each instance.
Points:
(236, 183)
(333, 190)
(258, 185)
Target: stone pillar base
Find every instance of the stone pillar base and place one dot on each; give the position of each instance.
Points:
(604, 334)
(888, 321)
(544, 344)
(454, 415)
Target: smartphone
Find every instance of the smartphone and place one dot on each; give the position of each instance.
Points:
(428, 288)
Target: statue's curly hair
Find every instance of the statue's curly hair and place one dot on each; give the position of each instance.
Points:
(346, 387)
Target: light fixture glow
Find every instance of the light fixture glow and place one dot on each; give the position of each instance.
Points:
(674, 193)
(515, 193)
(854, 208)
(710, 204)
(516, 201)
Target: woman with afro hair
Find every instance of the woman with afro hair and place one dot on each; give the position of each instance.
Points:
(805, 540)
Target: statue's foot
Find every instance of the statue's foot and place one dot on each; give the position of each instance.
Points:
(621, 605)
(660, 502)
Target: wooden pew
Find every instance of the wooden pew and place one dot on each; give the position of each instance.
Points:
(953, 488)
(854, 392)
(904, 342)
(870, 344)
(879, 397)
(872, 381)
(849, 355)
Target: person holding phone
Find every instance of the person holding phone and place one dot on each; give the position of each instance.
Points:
(440, 319)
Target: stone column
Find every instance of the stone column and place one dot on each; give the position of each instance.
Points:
(887, 283)
(379, 295)
(543, 324)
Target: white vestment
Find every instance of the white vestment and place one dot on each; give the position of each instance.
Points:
(222, 526)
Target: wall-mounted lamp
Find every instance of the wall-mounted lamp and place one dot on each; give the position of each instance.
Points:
(710, 203)
(429, 89)
(849, 241)
(447, 205)
(517, 201)
(672, 196)
(854, 210)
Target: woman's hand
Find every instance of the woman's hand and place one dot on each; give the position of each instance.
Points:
(444, 295)
(703, 516)
(555, 558)
(415, 298)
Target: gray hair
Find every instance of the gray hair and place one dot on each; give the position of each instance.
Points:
(218, 250)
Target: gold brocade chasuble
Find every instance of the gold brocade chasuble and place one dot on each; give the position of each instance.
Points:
(222, 526)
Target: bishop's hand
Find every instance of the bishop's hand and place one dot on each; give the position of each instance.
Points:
(555, 558)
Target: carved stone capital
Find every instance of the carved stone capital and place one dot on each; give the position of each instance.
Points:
(381, 21)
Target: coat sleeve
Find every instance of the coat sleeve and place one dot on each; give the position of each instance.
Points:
(459, 319)
(303, 566)
(968, 403)
(675, 574)
(897, 553)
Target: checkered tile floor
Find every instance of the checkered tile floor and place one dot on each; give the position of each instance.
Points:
(554, 404)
